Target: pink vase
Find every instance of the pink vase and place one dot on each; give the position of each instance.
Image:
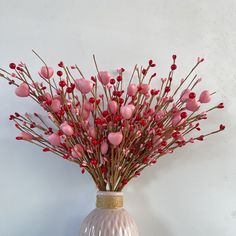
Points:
(109, 218)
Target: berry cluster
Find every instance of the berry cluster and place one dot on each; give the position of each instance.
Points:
(111, 131)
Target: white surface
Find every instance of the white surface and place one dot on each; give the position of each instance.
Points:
(192, 192)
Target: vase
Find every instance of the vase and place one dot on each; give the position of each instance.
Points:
(109, 218)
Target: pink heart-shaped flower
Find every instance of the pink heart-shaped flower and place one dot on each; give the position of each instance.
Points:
(132, 89)
(54, 139)
(46, 72)
(26, 136)
(22, 90)
(92, 132)
(104, 77)
(126, 112)
(85, 114)
(83, 85)
(115, 138)
(192, 105)
(160, 115)
(185, 95)
(66, 128)
(104, 148)
(177, 120)
(77, 151)
(205, 97)
(56, 105)
(144, 88)
(113, 106)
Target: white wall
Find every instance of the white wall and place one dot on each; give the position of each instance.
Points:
(192, 192)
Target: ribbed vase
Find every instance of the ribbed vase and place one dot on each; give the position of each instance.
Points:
(109, 218)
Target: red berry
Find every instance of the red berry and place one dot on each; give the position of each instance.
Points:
(93, 79)
(59, 73)
(92, 100)
(143, 122)
(103, 169)
(19, 68)
(61, 64)
(117, 118)
(200, 138)
(19, 138)
(12, 66)
(82, 171)
(121, 100)
(163, 143)
(46, 150)
(108, 118)
(105, 113)
(98, 101)
(72, 85)
(222, 127)
(173, 67)
(11, 117)
(125, 181)
(97, 121)
(167, 89)
(221, 105)
(112, 81)
(93, 162)
(174, 57)
(153, 75)
(94, 142)
(69, 90)
(151, 64)
(66, 156)
(62, 83)
(137, 173)
(183, 114)
(119, 78)
(144, 71)
(192, 95)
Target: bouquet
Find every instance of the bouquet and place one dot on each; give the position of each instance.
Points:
(110, 130)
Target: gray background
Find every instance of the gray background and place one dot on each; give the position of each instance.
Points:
(192, 192)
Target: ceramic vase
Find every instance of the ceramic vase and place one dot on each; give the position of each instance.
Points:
(109, 218)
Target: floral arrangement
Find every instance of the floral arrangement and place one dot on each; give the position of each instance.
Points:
(112, 132)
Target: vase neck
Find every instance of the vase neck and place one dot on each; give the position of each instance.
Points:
(109, 200)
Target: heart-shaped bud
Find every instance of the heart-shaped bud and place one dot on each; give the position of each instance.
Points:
(22, 90)
(66, 128)
(85, 114)
(132, 89)
(144, 88)
(205, 97)
(56, 105)
(83, 85)
(77, 151)
(132, 107)
(185, 95)
(192, 105)
(177, 119)
(26, 136)
(126, 112)
(54, 139)
(160, 115)
(104, 77)
(87, 105)
(46, 72)
(104, 148)
(115, 138)
(113, 106)
(48, 96)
